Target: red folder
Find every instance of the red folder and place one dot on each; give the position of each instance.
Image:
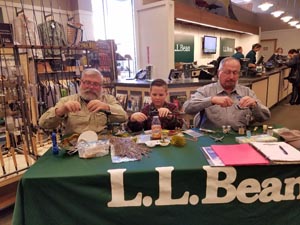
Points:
(239, 154)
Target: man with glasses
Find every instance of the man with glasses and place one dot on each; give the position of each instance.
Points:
(226, 102)
(87, 110)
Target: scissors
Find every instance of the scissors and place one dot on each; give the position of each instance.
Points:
(217, 139)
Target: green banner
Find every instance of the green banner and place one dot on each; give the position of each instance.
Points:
(227, 46)
(172, 186)
(184, 48)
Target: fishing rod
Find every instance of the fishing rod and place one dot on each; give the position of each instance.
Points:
(63, 56)
(8, 137)
(29, 37)
(3, 109)
(26, 119)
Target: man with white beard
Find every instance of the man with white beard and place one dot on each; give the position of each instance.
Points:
(87, 110)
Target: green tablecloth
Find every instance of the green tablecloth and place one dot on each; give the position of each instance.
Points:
(173, 186)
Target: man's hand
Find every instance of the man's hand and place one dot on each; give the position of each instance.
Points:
(223, 101)
(138, 117)
(70, 106)
(247, 101)
(251, 65)
(96, 105)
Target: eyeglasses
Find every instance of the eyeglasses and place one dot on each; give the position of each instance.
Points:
(228, 72)
(90, 83)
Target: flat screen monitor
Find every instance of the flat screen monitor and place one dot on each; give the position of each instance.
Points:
(209, 45)
(277, 58)
(260, 60)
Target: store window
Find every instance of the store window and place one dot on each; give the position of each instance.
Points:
(113, 19)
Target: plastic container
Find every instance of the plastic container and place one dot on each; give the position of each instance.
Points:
(270, 130)
(55, 148)
(156, 128)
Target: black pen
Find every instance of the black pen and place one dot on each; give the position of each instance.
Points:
(283, 150)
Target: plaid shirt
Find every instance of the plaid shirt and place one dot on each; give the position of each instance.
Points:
(169, 123)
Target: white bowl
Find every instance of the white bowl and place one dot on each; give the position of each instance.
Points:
(88, 136)
(152, 143)
(165, 143)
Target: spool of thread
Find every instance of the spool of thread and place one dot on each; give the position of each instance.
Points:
(265, 128)
(270, 130)
(54, 144)
(241, 130)
(248, 134)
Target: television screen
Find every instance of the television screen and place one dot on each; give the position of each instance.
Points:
(209, 45)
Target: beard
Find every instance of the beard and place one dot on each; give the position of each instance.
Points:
(89, 94)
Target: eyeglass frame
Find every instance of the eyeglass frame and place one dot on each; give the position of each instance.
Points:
(91, 83)
(229, 72)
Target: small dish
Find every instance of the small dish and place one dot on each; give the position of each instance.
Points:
(153, 143)
(166, 142)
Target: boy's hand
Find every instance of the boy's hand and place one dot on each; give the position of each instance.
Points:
(138, 117)
(163, 112)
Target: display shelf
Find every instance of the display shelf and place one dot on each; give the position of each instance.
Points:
(105, 58)
(17, 130)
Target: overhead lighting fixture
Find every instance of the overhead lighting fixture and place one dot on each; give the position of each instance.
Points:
(293, 23)
(277, 13)
(286, 18)
(212, 26)
(265, 6)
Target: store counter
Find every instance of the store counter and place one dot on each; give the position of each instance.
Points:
(172, 186)
(269, 87)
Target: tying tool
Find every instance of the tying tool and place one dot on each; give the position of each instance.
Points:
(217, 139)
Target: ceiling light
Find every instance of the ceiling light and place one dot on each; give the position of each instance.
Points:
(277, 13)
(241, 1)
(265, 6)
(286, 18)
(298, 26)
(294, 22)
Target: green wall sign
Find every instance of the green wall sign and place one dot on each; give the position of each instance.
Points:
(184, 48)
(227, 46)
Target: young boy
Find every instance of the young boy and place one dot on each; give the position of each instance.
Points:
(167, 112)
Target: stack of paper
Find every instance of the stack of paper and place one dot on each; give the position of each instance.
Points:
(212, 158)
(143, 138)
(278, 131)
(255, 138)
(239, 154)
(192, 133)
(278, 152)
